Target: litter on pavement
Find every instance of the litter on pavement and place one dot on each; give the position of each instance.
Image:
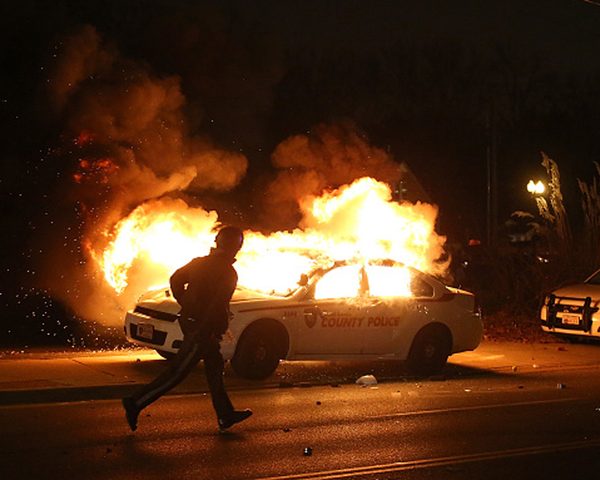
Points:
(366, 380)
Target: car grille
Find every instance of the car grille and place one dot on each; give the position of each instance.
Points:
(583, 309)
(158, 337)
(168, 317)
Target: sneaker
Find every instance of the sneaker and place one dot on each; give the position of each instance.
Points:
(234, 417)
(131, 412)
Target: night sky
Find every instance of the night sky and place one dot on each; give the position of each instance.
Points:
(233, 86)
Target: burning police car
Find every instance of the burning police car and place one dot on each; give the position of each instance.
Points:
(383, 310)
(572, 310)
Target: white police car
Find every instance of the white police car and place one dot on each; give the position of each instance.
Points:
(341, 312)
(572, 310)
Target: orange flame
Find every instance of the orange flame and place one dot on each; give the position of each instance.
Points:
(99, 170)
(357, 223)
(84, 138)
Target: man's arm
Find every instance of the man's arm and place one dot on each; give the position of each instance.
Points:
(217, 307)
(179, 280)
(224, 291)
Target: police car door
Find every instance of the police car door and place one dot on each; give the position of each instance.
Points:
(333, 316)
(393, 309)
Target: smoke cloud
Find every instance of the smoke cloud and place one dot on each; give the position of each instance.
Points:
(327, 157)
(127, 140)
(132, 150)
(128, 126)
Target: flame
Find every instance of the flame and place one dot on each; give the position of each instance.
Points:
(154, 240)
(343, 282)
(99, 170)
(388, 282)
(357, 223)
(84, 138)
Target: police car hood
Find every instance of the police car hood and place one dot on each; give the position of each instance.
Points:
(579, 290)
(161, 299)
(243, 294)
(245, 298)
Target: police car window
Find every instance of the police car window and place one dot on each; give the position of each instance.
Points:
(341, 282)
(396, 281)
(420, 288)
(389, 281)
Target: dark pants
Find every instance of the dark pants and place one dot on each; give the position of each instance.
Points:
(193, 349)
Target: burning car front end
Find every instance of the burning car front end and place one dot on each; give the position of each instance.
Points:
(154, 322)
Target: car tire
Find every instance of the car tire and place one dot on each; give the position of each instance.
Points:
(429, 351)
(166, 355)
(256, 356)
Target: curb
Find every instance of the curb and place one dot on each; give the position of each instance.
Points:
(64, 394)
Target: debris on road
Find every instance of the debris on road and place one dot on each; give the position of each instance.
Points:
(560, 386)
(366, 380)
(308, 451)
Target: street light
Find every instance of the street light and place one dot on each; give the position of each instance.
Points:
(536, 188)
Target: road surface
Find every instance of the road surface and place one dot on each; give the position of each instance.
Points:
(527, 420)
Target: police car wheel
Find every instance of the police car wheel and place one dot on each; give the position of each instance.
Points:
(429, 351)
(256, 356)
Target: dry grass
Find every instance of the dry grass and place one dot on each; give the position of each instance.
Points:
(515, 327)
(590, 204)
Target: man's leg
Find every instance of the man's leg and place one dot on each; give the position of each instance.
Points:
(186, 359)
(213, 365)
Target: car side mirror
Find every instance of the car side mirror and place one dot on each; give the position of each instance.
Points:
(303, 282)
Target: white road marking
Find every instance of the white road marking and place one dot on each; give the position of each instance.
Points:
(473, 407)
(437, 462)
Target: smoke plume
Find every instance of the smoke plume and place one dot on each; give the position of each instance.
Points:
(126, 140)
(132, 151)
(326, 157)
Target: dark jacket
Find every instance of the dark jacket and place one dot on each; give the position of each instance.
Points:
(204, 288)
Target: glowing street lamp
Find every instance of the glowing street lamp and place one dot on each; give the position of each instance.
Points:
(536, 188)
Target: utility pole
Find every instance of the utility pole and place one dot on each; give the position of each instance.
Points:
(492, 177)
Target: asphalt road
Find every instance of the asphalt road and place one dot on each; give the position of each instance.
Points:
(541, 422)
